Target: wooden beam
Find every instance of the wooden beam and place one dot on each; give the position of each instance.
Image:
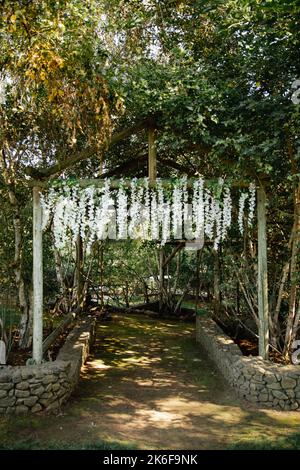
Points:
(262, 276)
(116, 183)
(71, 160)
(37, 352)
(152, 156)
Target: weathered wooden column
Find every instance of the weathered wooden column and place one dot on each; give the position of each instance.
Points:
(37, 352)
(262, 277)
(152, 171)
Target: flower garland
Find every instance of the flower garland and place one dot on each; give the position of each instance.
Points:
(242, 201)
(141, 212)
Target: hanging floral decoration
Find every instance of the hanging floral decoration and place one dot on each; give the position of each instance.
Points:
(143, 212)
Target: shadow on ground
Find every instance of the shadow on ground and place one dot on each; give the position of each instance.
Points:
(148, 385)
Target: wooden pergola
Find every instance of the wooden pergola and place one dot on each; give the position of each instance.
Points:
(262, 273)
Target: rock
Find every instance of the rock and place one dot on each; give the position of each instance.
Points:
(22, 386)
(27, 373)
(3, 393)
(49, 379)
(274, 386)
(30, 401)
(290, 393)
(36, 408)
(6, 386)
(22, 393)
(258, 378)
(270, 379)
(279, 394)
(55, 387)
(53, 406)
(287, 382)
(21, 409)
(252, 398)
(46, 401)
(5, 376)
(16, 377)
(8, 401)
(38, 391)
(263, 397)
(47, 395)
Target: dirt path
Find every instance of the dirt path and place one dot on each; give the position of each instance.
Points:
(148, 384)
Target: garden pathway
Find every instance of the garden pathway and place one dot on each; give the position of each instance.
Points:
(148, 384)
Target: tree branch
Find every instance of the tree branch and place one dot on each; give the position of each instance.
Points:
(60, 166)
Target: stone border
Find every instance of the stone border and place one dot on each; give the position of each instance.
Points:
(47, 386)
(259, 381)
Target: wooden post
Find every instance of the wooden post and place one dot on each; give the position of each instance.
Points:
(151, 155)
(262, 277)
(37, 352)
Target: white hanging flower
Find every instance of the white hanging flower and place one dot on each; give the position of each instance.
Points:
(133, 210)
(122, 213)
(90, 220)
(186, 216)
(146, 212)
(166, 223)
(252, 201)
(199, 209)
(160, 205)
(74, 218)
(242, 201)
(60, 232)
(227, 211)
(218, 224)
(154, 218)
(177, 205)
(208, 214)
(103, 211)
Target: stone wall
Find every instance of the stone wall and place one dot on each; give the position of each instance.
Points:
(47, 386)
(259, 381)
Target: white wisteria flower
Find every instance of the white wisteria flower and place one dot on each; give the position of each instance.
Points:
(141, 212)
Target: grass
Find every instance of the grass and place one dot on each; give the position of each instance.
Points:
(30, 444)
(289, 442)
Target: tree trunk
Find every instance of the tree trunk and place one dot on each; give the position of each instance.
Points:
(101, 273)
(78, 278)
(292, 326)
(217, 275)
(65, 298)
(161, 279)
(24, 291)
